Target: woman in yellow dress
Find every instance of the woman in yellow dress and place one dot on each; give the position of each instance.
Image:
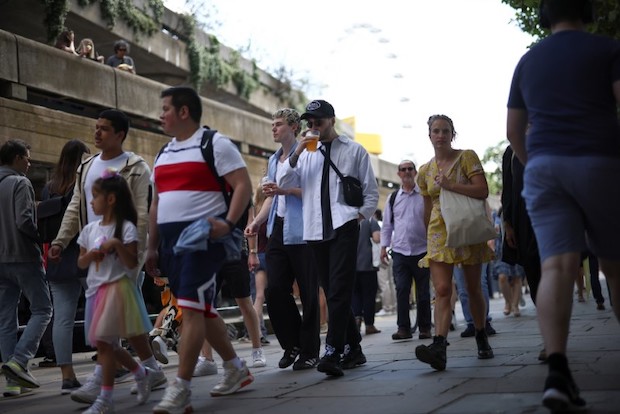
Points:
(459, 171)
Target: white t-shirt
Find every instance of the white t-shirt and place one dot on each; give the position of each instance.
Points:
(97, 167)
(281, 199)
(111, 268)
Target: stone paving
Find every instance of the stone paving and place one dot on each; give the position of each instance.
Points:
(393, 381)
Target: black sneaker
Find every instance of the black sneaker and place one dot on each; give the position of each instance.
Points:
(433, 354)
(305, 362)
(469, 331)
(48, 362)
(264, 341)
(69, 385)
(289, 357)
(484, 349)
(354, 358)
(489, 329)
(561, 394)
(330, 365)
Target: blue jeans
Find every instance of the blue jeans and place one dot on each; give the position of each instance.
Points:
(65, 297)
(459, 277)
(29, 279)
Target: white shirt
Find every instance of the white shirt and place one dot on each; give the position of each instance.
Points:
(352, 160)
(97, 167)
(281, 199)
(110, 269)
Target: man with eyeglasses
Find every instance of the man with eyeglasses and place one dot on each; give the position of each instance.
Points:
(119, 59)
(331, 225)
(404, 231)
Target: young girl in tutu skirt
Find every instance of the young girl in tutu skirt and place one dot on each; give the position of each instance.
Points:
(114, 307)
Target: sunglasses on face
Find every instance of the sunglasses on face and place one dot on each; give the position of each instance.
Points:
(403, 169)
(316, 122)
(122, 50)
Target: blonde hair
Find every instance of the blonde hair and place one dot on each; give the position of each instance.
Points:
(82, 47)
(259, 198)
(291, 117)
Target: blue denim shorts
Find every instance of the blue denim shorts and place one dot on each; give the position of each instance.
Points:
(191, 275)
(573, 203)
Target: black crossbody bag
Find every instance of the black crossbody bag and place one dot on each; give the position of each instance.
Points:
(351, 186)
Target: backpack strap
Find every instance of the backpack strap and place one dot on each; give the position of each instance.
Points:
(391, 201)
(206, 147)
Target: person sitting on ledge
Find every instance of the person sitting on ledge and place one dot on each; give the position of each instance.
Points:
(119, 59)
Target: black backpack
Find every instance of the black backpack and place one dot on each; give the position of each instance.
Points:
(206, 147)
(49, 214)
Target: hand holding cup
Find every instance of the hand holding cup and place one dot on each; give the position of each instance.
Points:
(267, 184)
(313, 135)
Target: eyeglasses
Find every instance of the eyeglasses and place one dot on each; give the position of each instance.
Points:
(122, 50)
(316, 122)
(403, 169)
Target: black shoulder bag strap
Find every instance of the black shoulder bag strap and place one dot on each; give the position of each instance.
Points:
(336, 170)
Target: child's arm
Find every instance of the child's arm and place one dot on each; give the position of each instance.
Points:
(86, 257)
(127, 253)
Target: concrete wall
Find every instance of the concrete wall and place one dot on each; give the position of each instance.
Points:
(28, 67)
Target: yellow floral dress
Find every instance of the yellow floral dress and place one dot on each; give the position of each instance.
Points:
(466, 167)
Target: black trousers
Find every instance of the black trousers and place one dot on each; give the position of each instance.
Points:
(336, 261)
(285, 264)
(365, 296)
(406, 270)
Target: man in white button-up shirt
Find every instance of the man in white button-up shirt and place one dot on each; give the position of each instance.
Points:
(332, 229)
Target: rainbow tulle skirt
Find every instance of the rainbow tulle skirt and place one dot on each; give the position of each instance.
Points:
(117, 310)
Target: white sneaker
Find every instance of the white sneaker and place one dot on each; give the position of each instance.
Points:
(143, 386)
(234, 379)
(13, 389)
(101, 406)
(176, 400)
(157, 380)
(205, 367)
(88, 392)
(258, 358)
(382, 312)
(160, 349)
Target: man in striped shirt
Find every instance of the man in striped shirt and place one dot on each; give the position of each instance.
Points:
(187, 190)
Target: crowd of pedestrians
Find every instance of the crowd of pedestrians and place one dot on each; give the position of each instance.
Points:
(190, 224)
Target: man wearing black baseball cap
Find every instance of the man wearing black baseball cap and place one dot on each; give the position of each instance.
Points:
(330, 224)
(319, 109)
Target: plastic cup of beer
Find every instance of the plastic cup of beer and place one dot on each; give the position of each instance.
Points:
(312, 145)
(265, 182)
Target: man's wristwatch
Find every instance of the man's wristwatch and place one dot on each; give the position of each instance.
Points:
(253, 251)
(231, 225)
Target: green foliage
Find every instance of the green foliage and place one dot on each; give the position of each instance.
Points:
(492, 162)
(55, 14)
(245, 83)
(606, 22)
(139, 20)
(109, 11)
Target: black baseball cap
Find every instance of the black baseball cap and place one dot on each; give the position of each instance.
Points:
(319, 109)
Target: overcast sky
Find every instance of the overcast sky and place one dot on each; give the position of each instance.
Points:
(389, 63)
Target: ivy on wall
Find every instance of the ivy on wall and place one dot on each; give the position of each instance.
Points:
(205, 61)
(207, 65)
(145, 22)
